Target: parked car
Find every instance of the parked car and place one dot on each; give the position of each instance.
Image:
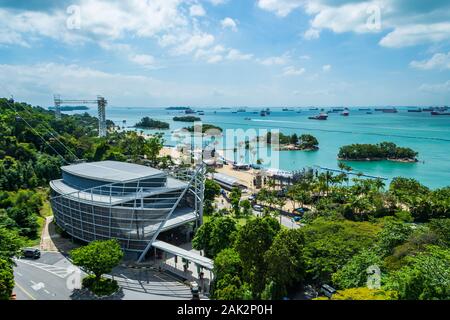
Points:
(32, 253)
(327, 290)
(257, 207)
(252, 198)
(300, 210)
(297, 219)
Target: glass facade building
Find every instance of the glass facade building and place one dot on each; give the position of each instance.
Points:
(131, 203)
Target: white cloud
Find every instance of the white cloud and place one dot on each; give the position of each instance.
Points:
(235, 54)
(144, 60)
(197, 11)
(220, 53)
(281, 7)
(194, 42)
(437, 61)
(229, 23)
(305, 57)
(39, 82)
(311, 34)
(411, 35)
(277, 60)
(218, 2)
(408, 23)
(293, 71)
(326, 68)
(436, 88)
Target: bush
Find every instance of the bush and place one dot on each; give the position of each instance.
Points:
(103, 287)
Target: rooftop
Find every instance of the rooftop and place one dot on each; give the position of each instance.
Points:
(112, 171)
(87, 196)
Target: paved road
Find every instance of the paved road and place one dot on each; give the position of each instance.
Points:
(49, 278)
(285, 221)
(36, 283)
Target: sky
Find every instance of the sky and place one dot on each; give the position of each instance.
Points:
(296, 53)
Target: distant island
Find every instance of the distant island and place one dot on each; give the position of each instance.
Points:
(147, 123)
(187, 119)
(205, 127)
(177, 108)
(375, 152)
(305, 142)
(69, 108)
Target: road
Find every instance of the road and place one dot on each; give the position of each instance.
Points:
(52, 277)
(37, 283)
(285, 221)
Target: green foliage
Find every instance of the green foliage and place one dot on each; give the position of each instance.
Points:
(10, 243)
(187, 119)
(235, 199)
(331, 244)
(212, 190)
(308, 141)
(383, 150)
(441, 229)
(147, 123)
(227, 261)
(231, 288)
(284, 259)
(100, 287)
(393, 234)
(215, 235)
(405, 190)
(246, 208)
(354, 273)
(434, 205)
(426, 277)
(98, 257)
(205, 128)
(252, 241)
(22, 209)
(6, 279)
(364, 294)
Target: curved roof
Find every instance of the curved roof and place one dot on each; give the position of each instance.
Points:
(112, 171)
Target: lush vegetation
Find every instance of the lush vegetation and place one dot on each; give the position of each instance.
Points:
(187, 119)
(379, 151)
(98, 258)
(204, 128)
(367, 241)
(33, 147)
(304, 142)
(147, 123)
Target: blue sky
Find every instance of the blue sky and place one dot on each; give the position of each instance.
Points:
(227, 52)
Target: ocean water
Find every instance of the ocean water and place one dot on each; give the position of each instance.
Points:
(428, 135)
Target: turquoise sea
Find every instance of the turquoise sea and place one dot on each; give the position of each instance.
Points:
(427, 134)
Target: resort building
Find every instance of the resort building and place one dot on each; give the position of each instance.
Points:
(228, 182)
(129, 202)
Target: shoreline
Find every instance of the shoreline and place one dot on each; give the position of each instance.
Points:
(380, 159)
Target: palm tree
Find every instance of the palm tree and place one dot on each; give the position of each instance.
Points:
(280, 202)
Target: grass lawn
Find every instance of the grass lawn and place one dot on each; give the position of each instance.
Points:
(240, 221)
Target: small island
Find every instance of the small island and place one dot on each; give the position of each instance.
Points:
(204, 128)
(187, 119)
(305, 142)
(376, 152)
(147, 123)
(69, 108)
(178, 108)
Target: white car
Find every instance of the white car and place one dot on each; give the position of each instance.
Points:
(257, 207)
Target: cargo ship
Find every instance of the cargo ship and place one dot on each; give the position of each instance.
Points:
(440, 113)
(322, 116)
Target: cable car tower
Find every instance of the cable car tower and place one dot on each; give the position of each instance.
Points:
(101, 102)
